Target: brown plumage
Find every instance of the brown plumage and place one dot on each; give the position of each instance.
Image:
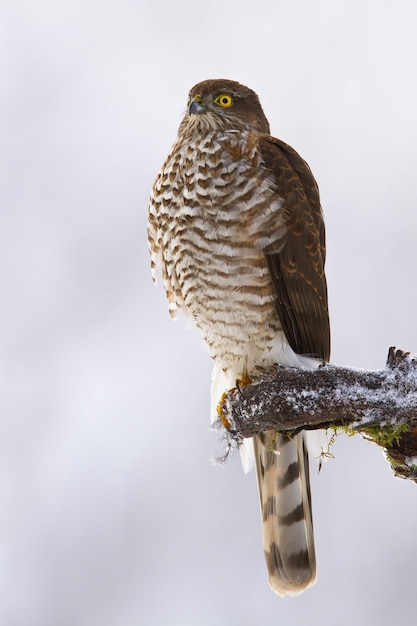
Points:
(236, 223)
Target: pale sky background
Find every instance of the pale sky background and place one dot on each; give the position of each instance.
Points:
(110, 512)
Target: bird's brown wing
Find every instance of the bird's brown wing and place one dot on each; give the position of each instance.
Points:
(297, 269)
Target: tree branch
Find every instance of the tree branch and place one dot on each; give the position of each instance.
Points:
(380, 405)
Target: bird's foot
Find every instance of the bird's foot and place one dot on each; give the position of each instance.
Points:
(243, 381)
(240, 382)
(220, 411)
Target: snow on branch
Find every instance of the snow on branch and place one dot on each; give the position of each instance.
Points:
(380, 405)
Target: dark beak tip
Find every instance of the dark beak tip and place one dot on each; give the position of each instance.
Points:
(195, 107)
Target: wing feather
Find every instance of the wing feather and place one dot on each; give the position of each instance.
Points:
(297, 269)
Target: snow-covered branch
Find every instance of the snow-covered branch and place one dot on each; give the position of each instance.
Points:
(380, 405)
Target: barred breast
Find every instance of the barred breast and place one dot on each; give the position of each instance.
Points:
(213, 211)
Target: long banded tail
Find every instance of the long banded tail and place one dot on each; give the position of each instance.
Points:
(287, 524)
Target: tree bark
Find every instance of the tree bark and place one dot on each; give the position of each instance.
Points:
(380, 405)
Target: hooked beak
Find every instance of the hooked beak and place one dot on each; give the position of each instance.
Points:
(196, 107)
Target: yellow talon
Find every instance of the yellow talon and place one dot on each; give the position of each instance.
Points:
(225, 422)
(245, 380)
(240, 382)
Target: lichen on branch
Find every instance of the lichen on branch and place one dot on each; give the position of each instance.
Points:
(380, 405)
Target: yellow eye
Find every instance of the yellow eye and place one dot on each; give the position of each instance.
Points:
(224, 100)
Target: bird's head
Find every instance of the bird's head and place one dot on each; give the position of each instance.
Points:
(223, 105)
